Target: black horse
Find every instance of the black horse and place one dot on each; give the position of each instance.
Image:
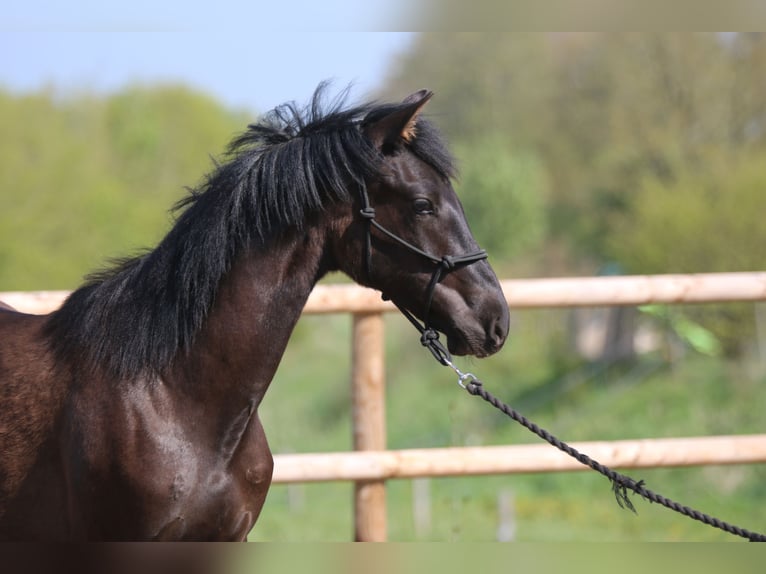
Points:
(131, 413)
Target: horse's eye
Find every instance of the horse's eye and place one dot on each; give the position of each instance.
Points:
(423, 206)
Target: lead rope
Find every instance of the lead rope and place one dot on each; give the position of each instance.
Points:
(429, 338)
(621, 483)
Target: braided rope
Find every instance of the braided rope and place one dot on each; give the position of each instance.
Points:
(621, 484)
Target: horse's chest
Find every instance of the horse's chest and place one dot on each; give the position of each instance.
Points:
(209, 495)
(170, 480)
(221, 505)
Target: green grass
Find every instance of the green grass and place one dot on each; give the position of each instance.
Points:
(307, 410)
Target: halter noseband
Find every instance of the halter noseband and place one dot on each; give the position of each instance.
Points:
(428, 335)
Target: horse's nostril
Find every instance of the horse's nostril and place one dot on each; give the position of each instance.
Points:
(501, 328)
(499, 332)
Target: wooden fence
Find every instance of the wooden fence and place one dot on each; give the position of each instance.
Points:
(370, 465)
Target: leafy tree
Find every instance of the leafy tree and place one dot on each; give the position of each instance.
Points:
(704, 220)
(84, 178)
(485, 82)
(651, 146)
(503, 193)
(602, 112)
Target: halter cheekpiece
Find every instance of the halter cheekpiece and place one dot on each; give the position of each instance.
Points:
(429, 337)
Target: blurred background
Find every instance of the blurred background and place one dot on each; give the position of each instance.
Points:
(580, 154)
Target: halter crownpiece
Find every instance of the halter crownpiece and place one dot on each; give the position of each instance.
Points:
(429, 337)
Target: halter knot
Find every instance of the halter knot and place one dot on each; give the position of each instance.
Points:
(428, 336)
(447, 263)
(367, 213)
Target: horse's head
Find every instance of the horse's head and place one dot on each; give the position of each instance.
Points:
(409, 237)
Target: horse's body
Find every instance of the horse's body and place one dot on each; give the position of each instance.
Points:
(181, 455)
(132, 412)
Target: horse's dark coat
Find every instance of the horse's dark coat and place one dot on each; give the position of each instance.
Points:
(131, 412)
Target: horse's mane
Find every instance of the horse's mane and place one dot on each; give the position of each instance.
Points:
(134, 317)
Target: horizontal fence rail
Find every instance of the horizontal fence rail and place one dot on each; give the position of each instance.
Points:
(372, 464)
(519, 293)
(517, 459)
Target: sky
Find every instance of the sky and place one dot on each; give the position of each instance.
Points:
(251, 55)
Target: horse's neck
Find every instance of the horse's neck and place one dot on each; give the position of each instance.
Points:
(237, 351)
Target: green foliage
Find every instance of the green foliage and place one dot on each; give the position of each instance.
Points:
(649, 149)
(706, 218)
(503, 194)
(602, 112)
(697, 336)
(83, 179)
(485, 82)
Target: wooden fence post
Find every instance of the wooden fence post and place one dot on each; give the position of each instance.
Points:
(369, 421)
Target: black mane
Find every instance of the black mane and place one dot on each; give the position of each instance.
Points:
(133, 318)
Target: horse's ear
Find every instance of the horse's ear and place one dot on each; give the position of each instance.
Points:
(399, 125)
